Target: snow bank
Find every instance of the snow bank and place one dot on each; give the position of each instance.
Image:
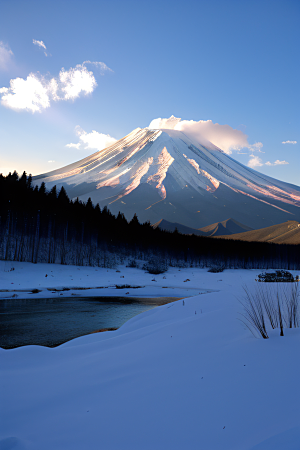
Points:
(18, 280)
(185, 375)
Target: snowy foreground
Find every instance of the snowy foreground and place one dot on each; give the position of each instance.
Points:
(186, 375)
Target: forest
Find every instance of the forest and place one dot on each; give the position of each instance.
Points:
(41, 226)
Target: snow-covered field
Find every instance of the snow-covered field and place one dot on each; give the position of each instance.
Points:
(18, 280)
(185, 375)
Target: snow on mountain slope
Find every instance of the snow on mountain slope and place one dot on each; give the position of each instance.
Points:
(151, 168)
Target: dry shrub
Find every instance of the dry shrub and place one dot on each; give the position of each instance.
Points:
(269, 306)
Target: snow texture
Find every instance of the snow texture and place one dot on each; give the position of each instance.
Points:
(166, 162)
(200, 164)
(185, 375)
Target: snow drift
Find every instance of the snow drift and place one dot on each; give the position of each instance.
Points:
(181, 376)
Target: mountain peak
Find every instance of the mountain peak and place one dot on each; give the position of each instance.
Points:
(165, 173)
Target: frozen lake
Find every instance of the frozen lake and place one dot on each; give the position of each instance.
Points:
(51, 322)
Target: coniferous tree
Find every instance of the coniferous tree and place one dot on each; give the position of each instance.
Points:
(42, 189)
(41, 226)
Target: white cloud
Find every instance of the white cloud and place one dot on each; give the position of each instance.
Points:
(5, 56)
(73, 145)
(254, 161)
(256, 147)
(276, 163)
(100, 65)
(169, 123)
(35, 93)
(223, 136)
(51, 161)
(77, 80)
(93, 140)
(30, 94)
(41, 45)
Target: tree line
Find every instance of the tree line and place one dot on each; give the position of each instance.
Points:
(37, 225)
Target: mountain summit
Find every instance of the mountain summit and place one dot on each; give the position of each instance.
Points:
(168, 174)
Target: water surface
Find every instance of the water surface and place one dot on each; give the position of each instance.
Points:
(51, 322)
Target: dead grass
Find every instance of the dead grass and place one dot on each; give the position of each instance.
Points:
(271, 307)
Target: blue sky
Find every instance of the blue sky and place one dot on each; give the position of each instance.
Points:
(235, 63)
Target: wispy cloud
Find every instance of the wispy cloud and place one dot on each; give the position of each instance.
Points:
(289, 142)
(42, 45)
(257, 147)
(5, 56)
(276, 163)
(254, 161)
(36, 92)
(101, 66)
(74, 145)
(93, 140)
(223, 136)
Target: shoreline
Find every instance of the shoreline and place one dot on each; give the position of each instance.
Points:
(153, 301)
(106, 299)
(38, 281)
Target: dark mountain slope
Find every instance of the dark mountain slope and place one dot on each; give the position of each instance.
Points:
(283, 233)
(226, 227)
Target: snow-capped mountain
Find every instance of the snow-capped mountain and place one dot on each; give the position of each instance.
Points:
(166, 174)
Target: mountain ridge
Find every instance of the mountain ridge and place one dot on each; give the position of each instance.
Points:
(168, 174)
(284, 233)
(228, 226)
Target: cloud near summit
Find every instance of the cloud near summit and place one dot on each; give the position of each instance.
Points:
(223, 136)
(36, 92)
